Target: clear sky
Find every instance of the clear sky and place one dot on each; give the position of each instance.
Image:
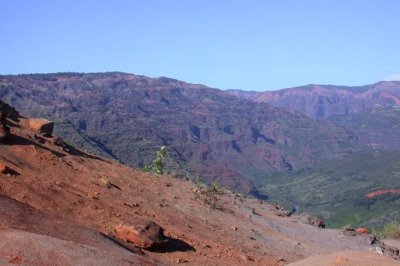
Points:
(247, 44)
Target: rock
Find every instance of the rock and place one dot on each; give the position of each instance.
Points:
(143, 234)
(386, 250)
(109, 184)
(4, 130)
(39, 139)
(372, 239)
(362, 230)
(9, 111)
(234, 228)
(3, 118)
(42, 126)
(349, 231)
(379, 250)
(59, 142)
(179, 260)
(282, 211)
(315, 221)
(392, 251)
(4, 133)
(3, 168)
(348, 228)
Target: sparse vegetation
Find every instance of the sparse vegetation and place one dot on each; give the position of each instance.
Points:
(158, 165)
(215, 188)
(389, 231)
(325, 190)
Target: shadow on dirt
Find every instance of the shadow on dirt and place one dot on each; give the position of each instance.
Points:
(172, 245)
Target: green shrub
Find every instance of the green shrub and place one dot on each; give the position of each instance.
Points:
(158, 165)
(389, 231)
(215, 188)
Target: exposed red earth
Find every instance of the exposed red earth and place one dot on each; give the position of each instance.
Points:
(381, 192)
(61, 206)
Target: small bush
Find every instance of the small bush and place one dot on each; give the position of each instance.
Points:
(389, 231)
(215, 188)
(158, 165)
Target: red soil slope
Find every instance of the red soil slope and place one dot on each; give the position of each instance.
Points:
(59, 207)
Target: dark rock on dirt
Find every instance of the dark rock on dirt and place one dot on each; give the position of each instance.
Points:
(9, 111)
(315, 221)
(143, 234)
(42, 126)
(4, 130)
(60, 142)
(282, 211)
(372, 239)
(3, 168)
(389, 251)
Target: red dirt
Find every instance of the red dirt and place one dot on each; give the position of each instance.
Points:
(381, 192)
(353, 258)
(57, 208)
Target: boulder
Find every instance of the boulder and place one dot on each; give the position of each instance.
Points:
(315, 221)
(362, 230)
(390, 251)
(3, 168)
(3, 118)
(60, 142)
(143, 234)
(9, 111)
(281, 211)
(41, 126)
(372, 239)
(4, 130)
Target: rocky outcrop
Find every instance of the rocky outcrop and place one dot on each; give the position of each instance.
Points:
(9, 111)
(41, 126)
(3, 168)
(314, 221)
(4, 130)
(143, 234)
(281, 211)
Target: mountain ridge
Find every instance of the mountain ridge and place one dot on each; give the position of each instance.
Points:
(209, 132)
(321, 101)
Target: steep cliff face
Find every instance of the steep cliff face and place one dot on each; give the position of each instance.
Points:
(377, 127)
(206, 131)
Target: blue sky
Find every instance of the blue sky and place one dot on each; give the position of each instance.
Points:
(250, 45)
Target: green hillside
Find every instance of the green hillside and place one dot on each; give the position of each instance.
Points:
(336, 190)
